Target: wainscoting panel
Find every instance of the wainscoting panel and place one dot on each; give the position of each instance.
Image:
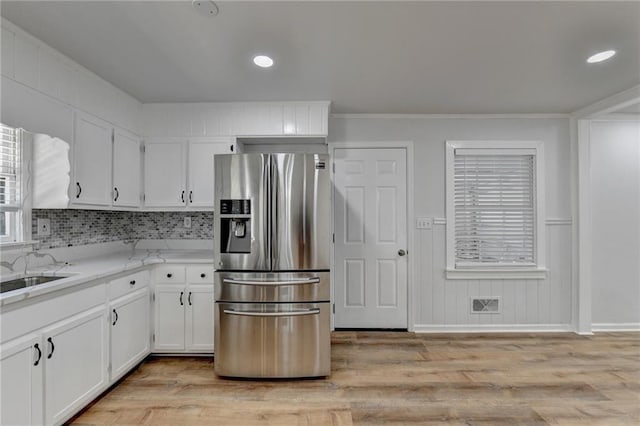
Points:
(443, 304)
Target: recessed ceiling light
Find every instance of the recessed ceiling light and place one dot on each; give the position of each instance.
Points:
(601, 56)
(263, 61)
(205, 7)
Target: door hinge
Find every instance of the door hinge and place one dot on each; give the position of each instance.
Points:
(153, 337)
(334, 308)
(153, 297)
(333, 238)
(109, 368)
(333, 166)
(144, 197)
(113, 136)
(231, 148)
(143, 147)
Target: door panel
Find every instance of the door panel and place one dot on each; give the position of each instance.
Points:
(164, 174)
(76, 363)
(243, 177)
(200, 318)
(129, 332)
(92, 161)
(201, 171)
(371, 228)
(169, 317)
(21, 365)
(301, 211)
(126, 169)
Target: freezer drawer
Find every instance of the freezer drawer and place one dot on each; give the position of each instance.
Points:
(260, 340)
(272, 287)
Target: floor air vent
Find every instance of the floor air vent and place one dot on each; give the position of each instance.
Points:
(485, 305)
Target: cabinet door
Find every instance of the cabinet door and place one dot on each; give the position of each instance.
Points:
(91, 161)
(130, 338)
(169, 317)
(21, 394)
(164, 174)
(201, 169)
(126, 169)
(199, 328)
(76, 360)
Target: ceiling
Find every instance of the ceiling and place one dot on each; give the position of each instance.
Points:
(366, 57)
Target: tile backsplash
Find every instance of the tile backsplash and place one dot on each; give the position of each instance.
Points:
(79, 227)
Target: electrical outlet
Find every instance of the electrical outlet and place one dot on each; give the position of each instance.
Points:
(424, 223)
(187, 222)
(44, 227)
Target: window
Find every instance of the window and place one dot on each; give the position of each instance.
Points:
(10, 197)
(495, 227)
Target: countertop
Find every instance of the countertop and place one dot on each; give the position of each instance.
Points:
(95, 268)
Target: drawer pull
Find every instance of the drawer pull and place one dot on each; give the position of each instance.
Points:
(272, 314)
(203, 275)
(314, 280)
(169, 275)
(132, 282)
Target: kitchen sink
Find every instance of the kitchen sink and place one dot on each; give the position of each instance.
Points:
(28, 281)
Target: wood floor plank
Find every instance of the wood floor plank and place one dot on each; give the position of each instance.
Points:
(400, 378)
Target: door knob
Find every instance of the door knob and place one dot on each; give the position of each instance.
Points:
(401, 252)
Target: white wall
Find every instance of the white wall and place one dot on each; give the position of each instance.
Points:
(615, 186)
(441, 304)
(41, 89)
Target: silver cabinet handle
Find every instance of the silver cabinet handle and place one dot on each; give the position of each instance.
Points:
(314, 280)
(272, 314)
(401, 252)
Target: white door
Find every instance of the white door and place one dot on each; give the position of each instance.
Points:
(91, 161)
(201, 169)
(370, 221)
(199, 318)
(76, 361)
(169, 317)
(126, 169)
(129, 331)
(164, 174)
(21, 363)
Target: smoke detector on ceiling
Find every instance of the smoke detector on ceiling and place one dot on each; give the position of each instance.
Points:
(205, 7)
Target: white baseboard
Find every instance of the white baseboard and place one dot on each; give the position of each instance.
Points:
(616, 326)
(493, 328)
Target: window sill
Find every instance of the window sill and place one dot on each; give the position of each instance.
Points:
(13, 245)
(497, 274)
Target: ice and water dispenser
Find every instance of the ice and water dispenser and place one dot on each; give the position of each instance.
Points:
(235, 226)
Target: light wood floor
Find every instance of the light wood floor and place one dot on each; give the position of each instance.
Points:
(401, 378)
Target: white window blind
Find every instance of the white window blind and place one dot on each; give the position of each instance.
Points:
(9, 169)
(494, 204)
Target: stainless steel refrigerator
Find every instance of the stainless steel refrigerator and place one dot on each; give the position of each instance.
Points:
(272, 246)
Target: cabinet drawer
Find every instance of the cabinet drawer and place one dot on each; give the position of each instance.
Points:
(127, 284)
(167, 274)
(197, 274)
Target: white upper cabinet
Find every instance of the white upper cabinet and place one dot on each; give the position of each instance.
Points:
(200, 169)
(126, 169)
(91, 161)
(164, 174)
(180, 173)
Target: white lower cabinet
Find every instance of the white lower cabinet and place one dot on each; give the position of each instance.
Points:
(75, 363)
(130, 331)
(184, 312)
(21, 372)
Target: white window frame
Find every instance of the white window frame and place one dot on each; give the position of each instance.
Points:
(537, 271)
(19, 226)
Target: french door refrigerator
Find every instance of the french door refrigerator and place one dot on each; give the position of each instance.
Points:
(271, 253)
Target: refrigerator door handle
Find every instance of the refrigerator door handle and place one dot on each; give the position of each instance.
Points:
(314, 311)
(314, 280)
